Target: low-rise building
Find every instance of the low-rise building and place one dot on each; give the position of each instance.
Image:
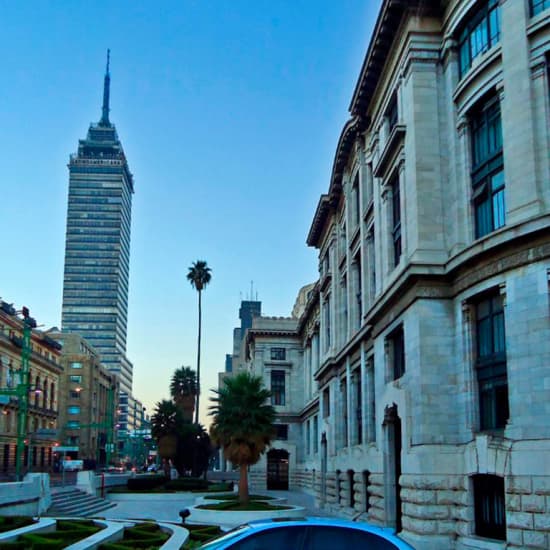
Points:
(88, 401)
(39, 416)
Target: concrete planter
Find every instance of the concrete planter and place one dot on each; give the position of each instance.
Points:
(205, 500)
(232, 519)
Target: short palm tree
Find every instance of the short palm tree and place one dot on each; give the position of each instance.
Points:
(164, 428)
(243, 423)
(183, 389)
(199, 276)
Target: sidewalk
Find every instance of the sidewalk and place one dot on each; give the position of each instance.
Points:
(169, 510)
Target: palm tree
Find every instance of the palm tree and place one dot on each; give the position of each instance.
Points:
(164, 428)
(199, 276)
(183, 389)
(243, 423)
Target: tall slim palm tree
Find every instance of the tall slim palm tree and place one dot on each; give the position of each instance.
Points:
(199, 276)
(183, 389)
(243, 423)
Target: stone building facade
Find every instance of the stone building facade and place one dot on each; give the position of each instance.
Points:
(425, 357)
(434, 254)
(41, 419)
(88, 401)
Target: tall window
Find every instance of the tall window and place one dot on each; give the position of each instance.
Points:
(326, 403)
(490, 514)
(371, 259)
(491, 363)
(371, 402)
(315, 434)
(480, 34)
(392, 114)
(358, 291)
(396, 220)
(537, 6)
(396, 350)
(308, 436)
(327, 322)
(356, 198)
(487, 169)
(358, 408)
(277, 387)
(278, 354)
(344, 397)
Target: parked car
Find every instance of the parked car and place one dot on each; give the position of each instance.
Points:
(307, 534)
(152, 468)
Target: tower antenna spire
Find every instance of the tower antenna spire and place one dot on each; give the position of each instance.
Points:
(106, 90)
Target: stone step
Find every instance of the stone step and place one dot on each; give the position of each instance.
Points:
(73, 502)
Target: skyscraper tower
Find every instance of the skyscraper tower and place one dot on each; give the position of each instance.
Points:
(97, 247)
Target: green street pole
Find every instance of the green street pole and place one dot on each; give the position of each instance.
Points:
(23, 398)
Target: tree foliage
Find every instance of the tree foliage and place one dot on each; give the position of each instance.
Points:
(242, 423)
(183, 389)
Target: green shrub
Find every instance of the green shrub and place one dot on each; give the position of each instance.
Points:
(16, 545)
(186, 484)
(143, 483)
(220, 487)
(67, 532)
(235, 505)
(142, 535)
(9, 523)
(236, 497)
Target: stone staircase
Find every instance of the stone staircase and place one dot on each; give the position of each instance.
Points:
(73, 502)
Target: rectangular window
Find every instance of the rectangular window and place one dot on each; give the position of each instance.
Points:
(487, 169)
(358, 408)
(356, 201)
(278, 354)
(73, 409)
(396, 221)
(281, 431)
(396, 342)
(538, 6)
(315, 434)
(392, 114)
(490, 514)
(344, 402)
(481, 33)
(277, 387)
(491, 363)
(73, 394)
(75, 378)
(327, 322)
(308, 437)
(326, 403)
(76, 365)
(73, 424)
(371, 402)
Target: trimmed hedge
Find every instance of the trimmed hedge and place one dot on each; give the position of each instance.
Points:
(9, 523)
(186, 484)
(67, 532)
(142, 535)
(143, 483)
(199, 534)
(236, 497)
(235, 505)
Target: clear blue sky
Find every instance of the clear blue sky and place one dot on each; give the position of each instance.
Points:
(229, 113)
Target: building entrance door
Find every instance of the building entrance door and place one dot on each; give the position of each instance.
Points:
(277, 469)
